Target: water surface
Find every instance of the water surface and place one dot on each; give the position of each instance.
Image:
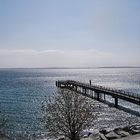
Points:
(23, 90)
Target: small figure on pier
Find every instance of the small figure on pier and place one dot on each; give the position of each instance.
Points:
(90, 82)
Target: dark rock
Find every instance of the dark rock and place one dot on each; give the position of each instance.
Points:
(135, 131)
(127, 129)
(102, 136)
(89, 134)
(61, 138)
(137, 127)
(94, 132)
(95, 137)
(86, 134)
(112, 135)
(105, 131)
(123, 133)
(88, 139)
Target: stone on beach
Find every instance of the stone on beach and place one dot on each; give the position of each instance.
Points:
(135, 131)
(123, 133)
(106, 130)
(102, 136)
(88, 139)
(112, 135)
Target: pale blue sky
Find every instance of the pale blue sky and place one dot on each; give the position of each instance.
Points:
(46, 33)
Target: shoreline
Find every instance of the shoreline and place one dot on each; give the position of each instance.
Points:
(120, 123)
(111, 124)
(117, 133)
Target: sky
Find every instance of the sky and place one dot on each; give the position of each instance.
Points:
(69, 33)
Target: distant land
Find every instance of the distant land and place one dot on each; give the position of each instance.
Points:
(91, 67)
(106, 67)
(121, 67)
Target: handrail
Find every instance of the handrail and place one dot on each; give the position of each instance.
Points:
(114, 91)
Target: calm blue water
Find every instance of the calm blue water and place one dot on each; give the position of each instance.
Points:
(23, 90)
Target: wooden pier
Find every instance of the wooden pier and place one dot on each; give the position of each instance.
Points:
(99, 92)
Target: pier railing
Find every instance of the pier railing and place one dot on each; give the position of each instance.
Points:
(98, 92)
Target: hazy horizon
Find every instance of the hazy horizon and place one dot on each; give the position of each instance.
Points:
(51, 33)
(108, 67)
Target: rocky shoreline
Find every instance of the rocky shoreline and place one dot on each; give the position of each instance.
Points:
(106, 134)
(112, 123)
(118, 124)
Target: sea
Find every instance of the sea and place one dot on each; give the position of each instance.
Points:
(22, 92)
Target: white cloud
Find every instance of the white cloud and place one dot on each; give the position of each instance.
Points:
(61, 58)
(26, 51)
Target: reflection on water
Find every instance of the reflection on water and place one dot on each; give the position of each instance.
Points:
(23, 90)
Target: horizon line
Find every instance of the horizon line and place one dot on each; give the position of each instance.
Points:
(72, 67)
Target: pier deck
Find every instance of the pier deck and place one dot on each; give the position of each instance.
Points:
(98, 92)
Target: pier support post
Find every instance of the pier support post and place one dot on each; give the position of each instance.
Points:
(104, 96)
(56, 83)
(97, 96)
(85, 91)
(76, 88)
(91, 92)
(116, 102)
